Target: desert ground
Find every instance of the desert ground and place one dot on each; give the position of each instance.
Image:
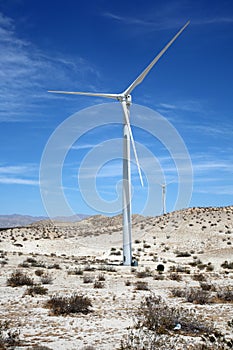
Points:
(184, 279)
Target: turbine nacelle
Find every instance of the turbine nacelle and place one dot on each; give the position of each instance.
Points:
(127, 98)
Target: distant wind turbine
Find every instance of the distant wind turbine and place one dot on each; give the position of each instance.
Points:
(164, 192)
(125, 99)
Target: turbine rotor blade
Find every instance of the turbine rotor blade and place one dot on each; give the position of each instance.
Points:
(125, 110)
(114, 96)
(141, 77)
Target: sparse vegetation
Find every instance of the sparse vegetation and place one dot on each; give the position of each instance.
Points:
(199, 277)
(227, 265)
(205, 289)
(141, 285)
(175, 276)
(225, 294)
(155, 327)
(87, 279)
(18, 279)
(182, 254)
(39, 272)
(9, 337)
(37, 289)
(98, 284)
(198, 296)
(46, 279)
(76, 271)
(101, 277)
(65, 305)
(144, 273)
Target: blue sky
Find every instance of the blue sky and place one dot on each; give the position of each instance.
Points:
(101, 46)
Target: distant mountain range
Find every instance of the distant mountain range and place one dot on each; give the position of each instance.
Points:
(16, 220)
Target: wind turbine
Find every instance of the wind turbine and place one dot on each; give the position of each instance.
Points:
(125, 99)
(164, 187)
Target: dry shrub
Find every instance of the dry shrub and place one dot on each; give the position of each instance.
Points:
(198, 296)
(37, 289)
(199, 277)
(64, 305)
(39, 272)
(54, 266)
(88, 268)
(76, 271)
(98, 284)
(157, 316)
(225, 294)
(46, 279)
(154, 328)
(9, 337)
(227, 265)
(159, 277)
(175, 277)
(18, 279)
(182, 254)
(141, 285)
(144, 273)
(101, 277)
(87, 279)
(207, 286)
(180, 269)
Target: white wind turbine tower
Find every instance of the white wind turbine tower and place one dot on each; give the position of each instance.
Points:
(125, 99)
(164, 192)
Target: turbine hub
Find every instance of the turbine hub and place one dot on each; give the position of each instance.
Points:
(127, 99)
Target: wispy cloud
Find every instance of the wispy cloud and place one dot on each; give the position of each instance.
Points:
(27, 73)
(83, 146)
(158, 23)
(187, 105)
(18, 181)
(18, 175)
(214, 20)
(217, 190)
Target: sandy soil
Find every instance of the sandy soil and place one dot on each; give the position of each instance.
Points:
(192, 241)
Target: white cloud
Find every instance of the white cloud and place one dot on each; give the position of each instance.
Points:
(18, 175)
(27, 73)
(187, 105)
(14, 169)
(18, 181)
(217, 190)
(214, 20)
(84, 146)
